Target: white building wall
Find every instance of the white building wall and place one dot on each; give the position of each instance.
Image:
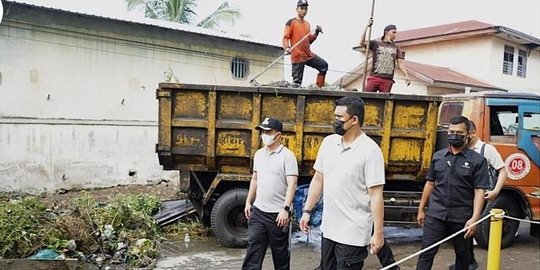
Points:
(480, 58)
(77, 100)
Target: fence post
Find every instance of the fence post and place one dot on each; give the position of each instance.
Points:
(495, 237)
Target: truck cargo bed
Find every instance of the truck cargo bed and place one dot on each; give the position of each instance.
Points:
(212, 128)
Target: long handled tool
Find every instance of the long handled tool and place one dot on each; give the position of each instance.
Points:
(367, 46)
(254, 82)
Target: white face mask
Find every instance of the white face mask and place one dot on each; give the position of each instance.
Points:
(267, 139)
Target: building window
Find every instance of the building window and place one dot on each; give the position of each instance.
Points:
(508, 62)
(522, 64)
(239, 68)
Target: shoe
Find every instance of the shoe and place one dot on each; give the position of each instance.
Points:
(472, 266)
(295, 85)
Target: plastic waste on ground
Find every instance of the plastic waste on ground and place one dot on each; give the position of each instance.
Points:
(45, 254)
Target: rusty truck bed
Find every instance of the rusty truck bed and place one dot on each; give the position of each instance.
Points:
(212, 128)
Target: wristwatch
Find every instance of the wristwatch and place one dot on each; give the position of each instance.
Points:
(307, 211)
(287, 208)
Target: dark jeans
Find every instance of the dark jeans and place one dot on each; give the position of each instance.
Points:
(436, 230)
(316, 62)
(341, 256)
(263, 230)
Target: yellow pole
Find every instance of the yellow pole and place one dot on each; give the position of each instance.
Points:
(495, 236)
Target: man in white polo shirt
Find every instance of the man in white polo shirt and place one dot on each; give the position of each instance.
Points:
(272, 186)
(349, 171)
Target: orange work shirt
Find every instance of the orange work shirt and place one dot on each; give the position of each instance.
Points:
(295, 30)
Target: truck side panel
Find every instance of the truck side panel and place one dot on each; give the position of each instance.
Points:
(212, 128)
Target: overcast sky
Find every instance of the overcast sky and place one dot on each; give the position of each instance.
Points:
(343, 21)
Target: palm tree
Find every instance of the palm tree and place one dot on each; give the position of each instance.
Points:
(183, 11)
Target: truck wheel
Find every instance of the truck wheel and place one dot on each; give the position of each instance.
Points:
(510, 227)
(228, 221)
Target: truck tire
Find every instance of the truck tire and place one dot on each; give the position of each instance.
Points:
(227, 219)
(510, 227)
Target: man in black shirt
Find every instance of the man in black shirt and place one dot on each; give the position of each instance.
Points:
(455, 186)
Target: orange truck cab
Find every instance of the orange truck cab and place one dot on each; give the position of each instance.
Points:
(510, 122)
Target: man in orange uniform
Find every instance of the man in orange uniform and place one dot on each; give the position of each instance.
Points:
(295, 30)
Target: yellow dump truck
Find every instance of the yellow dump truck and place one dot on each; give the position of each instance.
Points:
(208, 133)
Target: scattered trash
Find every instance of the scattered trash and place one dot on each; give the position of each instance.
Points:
(45, 254)
(172, 211)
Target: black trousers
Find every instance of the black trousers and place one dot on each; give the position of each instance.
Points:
(316, 62)
(436, 230)
(385, 256)
(263, 230)
(337, 256)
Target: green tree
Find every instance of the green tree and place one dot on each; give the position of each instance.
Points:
(183, 11)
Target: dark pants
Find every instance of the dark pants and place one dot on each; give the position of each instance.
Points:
(436, 230)
(263, 230)
(385, 255)
(341, 256)
(298, 68)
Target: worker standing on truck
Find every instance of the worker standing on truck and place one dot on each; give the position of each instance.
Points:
(271, 190)
(386, 55)
(295, 31)
(456, 181)
(495, 162)
(349, 171)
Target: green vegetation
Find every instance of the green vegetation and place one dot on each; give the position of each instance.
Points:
(121, 231)
(183, 11)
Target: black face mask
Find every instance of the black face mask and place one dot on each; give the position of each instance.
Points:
(456, 140)
(339, 127)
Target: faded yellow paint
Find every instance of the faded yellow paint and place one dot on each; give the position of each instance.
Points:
(373, 114)
(214, 130)
(320, 111)
(311, 146)
(289, 140)
(232, 143)
(235, 106)
(235, 169)
(405, 150)
(190, 104)
(279, 107)
(410, 116)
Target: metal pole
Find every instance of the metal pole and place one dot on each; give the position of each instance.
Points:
(367, 47)
(495, 235)
(281, 56)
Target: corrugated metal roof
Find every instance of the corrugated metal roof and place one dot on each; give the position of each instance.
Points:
(145, 21)
(434, 74)
(443, 30)
(445, 74)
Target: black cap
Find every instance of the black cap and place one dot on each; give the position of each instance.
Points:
(302, 3)
(389, 27)
(270, 123)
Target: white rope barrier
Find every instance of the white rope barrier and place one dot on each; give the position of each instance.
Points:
(524, 220)
(436, 244)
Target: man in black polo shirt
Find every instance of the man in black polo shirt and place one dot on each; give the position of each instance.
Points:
(455, 186)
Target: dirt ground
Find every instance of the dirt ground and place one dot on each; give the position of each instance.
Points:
(305, 255)
(165, 190)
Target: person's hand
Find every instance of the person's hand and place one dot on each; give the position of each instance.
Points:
(318, 29)
(282, 218)
(408, 81)
(421, 217)
(369, 22)
(472, 230)
(491, 195)
(247, 210)
(377, 241)
(304, 221)
(287, 51)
